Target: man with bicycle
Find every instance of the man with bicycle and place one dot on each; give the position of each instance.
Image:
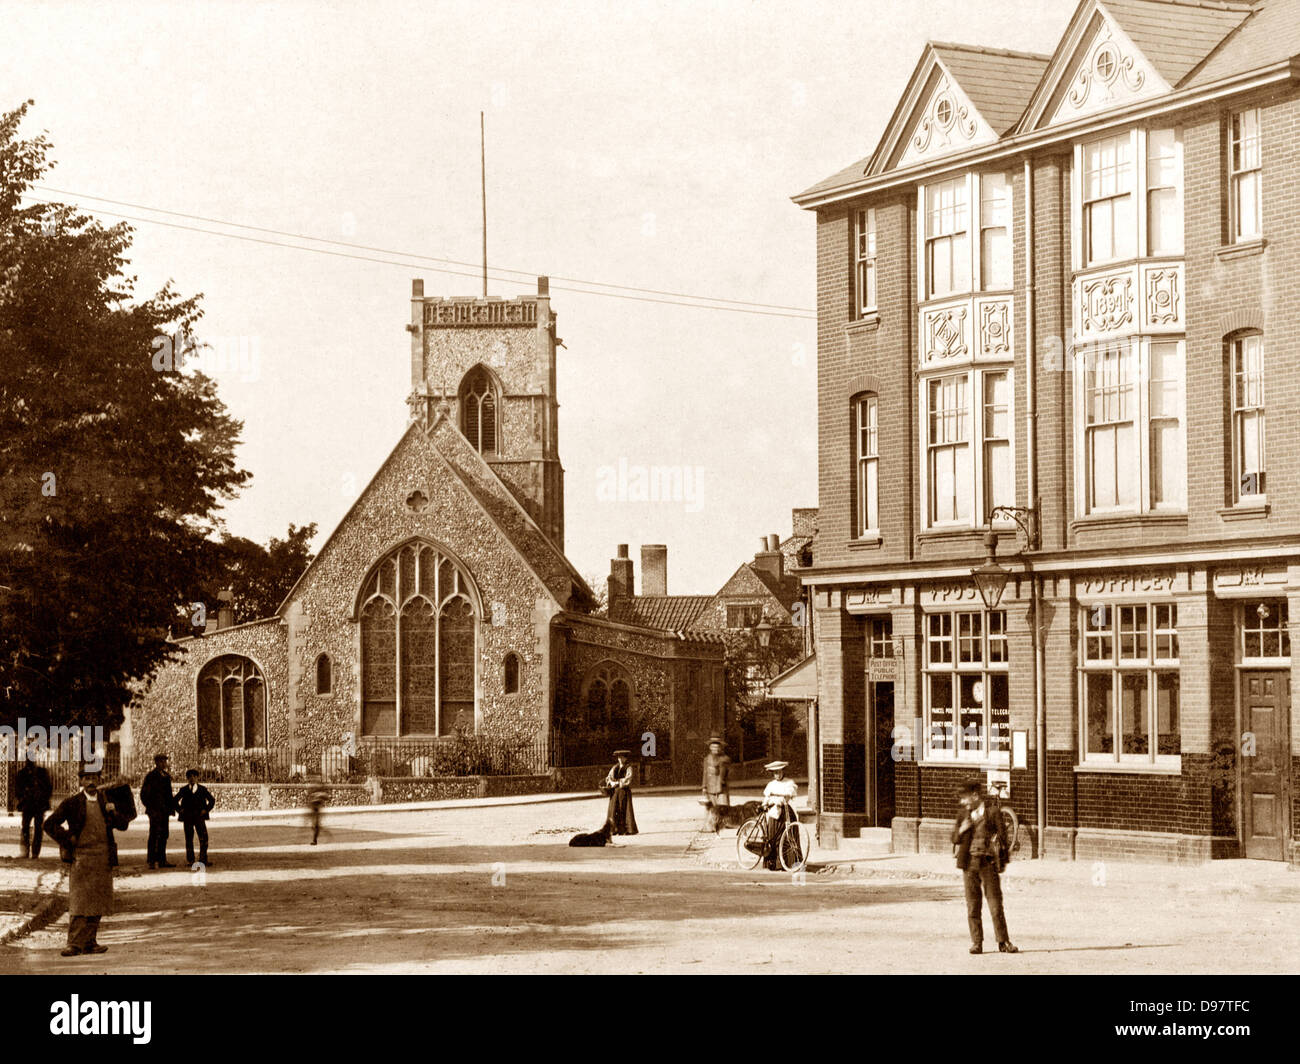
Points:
(982, 847)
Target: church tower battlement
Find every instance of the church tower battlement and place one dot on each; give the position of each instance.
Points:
(492, 363)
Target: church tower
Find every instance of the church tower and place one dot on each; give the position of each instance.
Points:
(492, 363)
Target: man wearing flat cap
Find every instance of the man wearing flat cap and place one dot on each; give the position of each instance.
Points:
(83, 826)
(717, 770)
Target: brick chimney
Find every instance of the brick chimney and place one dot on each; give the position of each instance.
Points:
(654, 569)
(620, 579)
(769, 557)
(226, 609)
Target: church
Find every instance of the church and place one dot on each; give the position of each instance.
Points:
(442, 609)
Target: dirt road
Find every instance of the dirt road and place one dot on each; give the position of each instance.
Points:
(498, 890)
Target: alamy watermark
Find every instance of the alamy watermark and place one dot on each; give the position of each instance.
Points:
(626, 482)
(82, 743)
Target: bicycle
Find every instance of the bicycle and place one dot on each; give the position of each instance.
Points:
(1009, 818)
(794, 845)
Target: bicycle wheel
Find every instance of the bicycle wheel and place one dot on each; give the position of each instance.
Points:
(796, 846)
(749, 838)
(1013, 828)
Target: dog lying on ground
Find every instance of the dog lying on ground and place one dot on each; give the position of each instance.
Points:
(593, 838)
(732, 816)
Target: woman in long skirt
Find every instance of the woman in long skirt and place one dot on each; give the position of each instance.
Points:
(622, 821)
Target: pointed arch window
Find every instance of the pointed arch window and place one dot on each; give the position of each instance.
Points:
(232, 704)
(607, 697)
(511, 674)
(419, 633)
(478, 410)
(324, 675)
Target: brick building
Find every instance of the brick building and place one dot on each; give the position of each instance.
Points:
(1059, 302)
(443, 604)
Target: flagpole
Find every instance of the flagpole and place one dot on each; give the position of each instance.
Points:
(482, 149)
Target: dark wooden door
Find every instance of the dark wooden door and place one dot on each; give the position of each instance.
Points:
(881, 785)
(1265, 763)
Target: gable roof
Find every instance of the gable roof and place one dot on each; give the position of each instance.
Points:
(996, 81)
(547, 561)
(673, 613)
(1184, 45)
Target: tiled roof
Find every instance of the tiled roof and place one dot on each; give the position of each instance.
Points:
(786, 589)
(673, 613)
(999, 83)
(1176, 36)
(1270, 35)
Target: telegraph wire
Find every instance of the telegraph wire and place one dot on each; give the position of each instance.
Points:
(675, 298)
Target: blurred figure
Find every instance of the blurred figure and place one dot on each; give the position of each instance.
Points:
(317, 798)
(159, 801)
(717, 771)
(32, 788)
(83, 826)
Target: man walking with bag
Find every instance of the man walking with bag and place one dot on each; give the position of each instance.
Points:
(981, 845)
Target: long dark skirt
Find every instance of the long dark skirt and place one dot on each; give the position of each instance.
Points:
(620, 811)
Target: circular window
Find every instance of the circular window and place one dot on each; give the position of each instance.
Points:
(1106, 64)
(943, 111)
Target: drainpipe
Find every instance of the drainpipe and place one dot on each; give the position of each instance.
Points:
(1031, 456)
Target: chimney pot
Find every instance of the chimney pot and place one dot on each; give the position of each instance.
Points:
(543, 286)
(417, 288)
(622, 550)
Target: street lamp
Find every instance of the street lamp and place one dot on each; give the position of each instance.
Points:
(764, 631)
(990, 578)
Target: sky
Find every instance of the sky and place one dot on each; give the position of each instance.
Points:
(651, 145)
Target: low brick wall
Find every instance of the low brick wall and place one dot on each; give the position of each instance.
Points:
(589, 777)
(243, 797)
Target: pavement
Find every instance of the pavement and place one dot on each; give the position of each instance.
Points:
(482, 887)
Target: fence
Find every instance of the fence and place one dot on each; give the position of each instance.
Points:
(599, 750)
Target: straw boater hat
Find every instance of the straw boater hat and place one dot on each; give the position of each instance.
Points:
(622, 753)
(773, 766)
(717, 739)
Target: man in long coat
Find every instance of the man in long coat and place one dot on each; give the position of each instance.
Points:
(33, 787)
(159, 801)
(83, 826)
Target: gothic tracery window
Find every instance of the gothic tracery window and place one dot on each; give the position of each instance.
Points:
(608, 699)
(478, 406)
(418, 641)
(232, 704)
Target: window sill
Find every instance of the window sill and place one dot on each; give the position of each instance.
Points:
(1242, 250)
(984, 765)
(1131, 768)
(866, 542)
(869, 322)
(1245, 511)
(955, 533)
(1154, 519)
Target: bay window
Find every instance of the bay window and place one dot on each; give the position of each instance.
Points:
(995, 232)
(966, 686)
(947, 248)
(970, 461)
(1129, 684)
(1133, 455)
(1129, 196)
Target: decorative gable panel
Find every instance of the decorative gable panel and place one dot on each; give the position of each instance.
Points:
(943, 122)
(1104, 70)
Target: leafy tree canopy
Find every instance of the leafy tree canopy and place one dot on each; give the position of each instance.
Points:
(111, 470)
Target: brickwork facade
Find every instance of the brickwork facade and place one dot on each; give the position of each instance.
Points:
(1166, 568)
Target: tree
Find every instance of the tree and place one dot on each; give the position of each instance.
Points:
(260, 577)
(111, 470)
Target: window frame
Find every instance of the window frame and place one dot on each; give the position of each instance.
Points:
(216, 671)
(976, 441)
(1139, 193)
(1236, 349)
(1248, 612)
(949, 664)
(1136, 353)
(1117, 665)
(865, 274)
(866, 464)
(1236, 174)
(972, 188)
